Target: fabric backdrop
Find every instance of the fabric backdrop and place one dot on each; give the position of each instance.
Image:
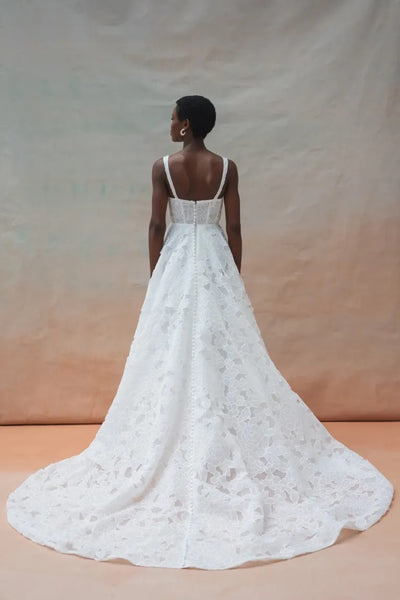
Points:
(307, 100)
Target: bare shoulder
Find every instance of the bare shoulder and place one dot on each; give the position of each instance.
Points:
(232, 170)
(158, 169)
(176, 157)
(158, 164)
(232, 166)
(232, 175)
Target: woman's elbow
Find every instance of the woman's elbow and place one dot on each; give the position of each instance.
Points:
(157, 226)
(234, 229)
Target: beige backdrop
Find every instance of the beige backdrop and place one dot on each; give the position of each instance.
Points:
(307, 100)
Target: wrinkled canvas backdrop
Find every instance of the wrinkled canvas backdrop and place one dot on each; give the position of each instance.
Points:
(307, 100)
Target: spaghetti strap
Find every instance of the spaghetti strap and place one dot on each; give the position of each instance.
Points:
(165, 159)
(224, 171)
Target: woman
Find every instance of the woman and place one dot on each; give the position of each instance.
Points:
(206, 458)
(197, 174)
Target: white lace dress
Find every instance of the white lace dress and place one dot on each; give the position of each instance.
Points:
(206, 458)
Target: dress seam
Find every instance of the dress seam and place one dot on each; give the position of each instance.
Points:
(192, 374)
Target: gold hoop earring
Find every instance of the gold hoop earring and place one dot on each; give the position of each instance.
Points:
(182, 131)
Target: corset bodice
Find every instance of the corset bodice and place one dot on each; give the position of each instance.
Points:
(195, 211)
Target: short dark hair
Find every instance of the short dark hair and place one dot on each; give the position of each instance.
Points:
(200, 111)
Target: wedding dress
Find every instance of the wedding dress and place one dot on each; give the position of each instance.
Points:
(206, 457)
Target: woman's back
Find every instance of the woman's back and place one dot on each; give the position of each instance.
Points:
(197, 175)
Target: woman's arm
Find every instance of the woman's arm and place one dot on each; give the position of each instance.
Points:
(232, 213)
(157, 224)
